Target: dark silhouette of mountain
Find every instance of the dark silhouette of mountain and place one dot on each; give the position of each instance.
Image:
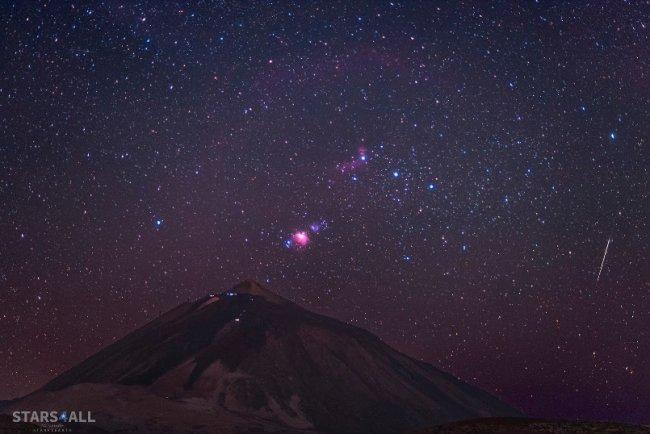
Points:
(248, 360)
(532, 426)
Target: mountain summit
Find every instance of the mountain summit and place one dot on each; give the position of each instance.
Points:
(248, 360)
(251, 287)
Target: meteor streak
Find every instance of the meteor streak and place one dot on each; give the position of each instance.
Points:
(602, 263)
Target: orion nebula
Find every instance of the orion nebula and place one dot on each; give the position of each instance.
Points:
(300, 239)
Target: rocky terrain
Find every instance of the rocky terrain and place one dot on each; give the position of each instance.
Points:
(247, 360)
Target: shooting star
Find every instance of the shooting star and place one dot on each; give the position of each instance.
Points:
(602, 263)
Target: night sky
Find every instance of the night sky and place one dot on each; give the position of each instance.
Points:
(444, 175)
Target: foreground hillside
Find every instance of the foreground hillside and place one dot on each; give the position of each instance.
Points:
(247, 360)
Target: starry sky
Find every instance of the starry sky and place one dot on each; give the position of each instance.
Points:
(445, 175)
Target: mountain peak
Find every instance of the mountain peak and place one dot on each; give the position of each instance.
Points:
(252, 287)
(247, 360)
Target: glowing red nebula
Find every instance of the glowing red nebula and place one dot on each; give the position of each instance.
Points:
(300, 238)
(355, 163)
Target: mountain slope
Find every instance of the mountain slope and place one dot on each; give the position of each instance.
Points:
(533, 426)
(248, 360)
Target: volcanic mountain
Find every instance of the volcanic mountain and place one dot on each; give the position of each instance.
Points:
(248, 360)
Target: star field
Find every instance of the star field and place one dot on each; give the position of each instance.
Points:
(444, 175)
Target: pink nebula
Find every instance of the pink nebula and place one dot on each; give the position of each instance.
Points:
(355, 163)
(300, 238)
